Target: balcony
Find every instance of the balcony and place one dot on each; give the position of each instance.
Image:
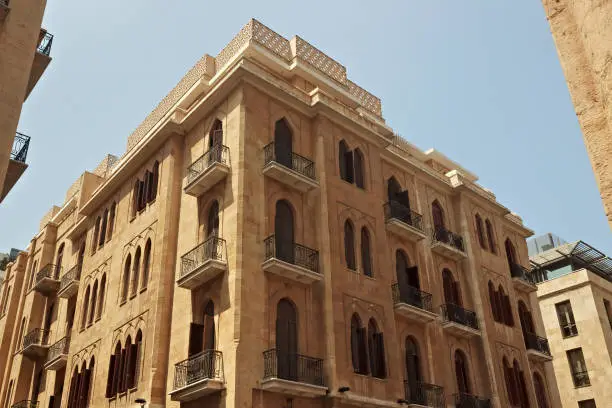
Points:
(203, 263)
(537, 347)
(25, 403)
(17, 162)
(198, 376)
(4, 9)
(212, 167)
(424, 395)
(41, 59)
(463, 400)
(36, 344)
(57, 355)
(522, 279)
(292, 261)
(47, 279)
(448, 244)
(459, 321)
(69, 283)
(295, 171)
(403, 222)
(293, 374)
(413, 304)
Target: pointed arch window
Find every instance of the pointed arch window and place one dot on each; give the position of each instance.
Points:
(59, 258)
(461, 373)
(146, 264)
(505, 307)
(452, 293)
(284, 231)
(85, 308)
(286, 340)
(93, 303)
(359, 166)
(103, 228)
(510, 253)
(493, 301)
(480, 232)
(153, 182)
(102, 296)
(113, 372)
(366, 258)
(376, 348)
(490, 236)
(212, 225)
(510, 381)
(438, 216)
(349, 245)
(33, 273)
(358, 346)
(521, 387)
(135, 272)
(283, 143)
(96, 235)
(209, 326)
(345, 160)
(126, 278)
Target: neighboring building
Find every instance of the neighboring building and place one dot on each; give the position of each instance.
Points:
(583, 35)
(24, 55)
(267, 241)
(542, 243)
(575, 296)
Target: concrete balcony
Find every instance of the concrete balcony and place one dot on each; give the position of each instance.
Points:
(69, 283)
(36, 344)
(291, 261)
(198, 376)
(212, 167)
(47, 280)
(403, 222)
(413, 304)
(522, 279)
(295, 171)
(459, 322)
(41, 59)
(537, 348)
(293, 374)
(17, 163)
(203, 263)
(421, 395)
(58, 355)
(4, 10)
(448, 244)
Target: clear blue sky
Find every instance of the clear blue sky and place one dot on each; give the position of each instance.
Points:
(478, 80)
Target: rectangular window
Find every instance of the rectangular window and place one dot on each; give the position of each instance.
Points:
(578, 368)
(608, 311)
(566, 319)
(590, 403)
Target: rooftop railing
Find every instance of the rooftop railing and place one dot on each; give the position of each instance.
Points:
(449, 238)
(398, 211)
(21, 144)
(457, 314)
(293, 367)
(412, 296)
(537, 343)
(207, 365)
(211, 249)
(216, 154)
(292, 253)
(294, 161)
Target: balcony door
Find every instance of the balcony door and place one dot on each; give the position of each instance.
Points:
(399, 200)
(47, 327)
(438, 220)
(413, 372)
(286, 340)
(215, 141)
(407, 279)
(283, 231)
(283, 143)
(461, 373)
(452, 294)
(212, 227)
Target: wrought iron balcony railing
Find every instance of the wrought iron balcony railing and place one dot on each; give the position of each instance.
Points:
(216, 154)
(581, 379)
(59, 348)
(74, 274)
(49, 271)
(44, 45)
(398, 211)
(537, 343)
(207, 365)
(412, 296)
(457, 314)
(295, 162)
(463, 400)
(37, 337)
(211, 249)
(293, 367)
(519, 271)
(25, 404)
(292, 253)
(449, 238)
(421, 393)
(21, 144)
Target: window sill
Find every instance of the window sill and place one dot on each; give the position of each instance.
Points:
(113, 398)
(582, 386)
(133, 295)
(89, 325)
(123, 302)
(570, 336)
(122, 394)
(98, 319)
(143, 289)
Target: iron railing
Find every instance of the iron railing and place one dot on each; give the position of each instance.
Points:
(398, 211)
(449, 238)
(412, 296)
(21, 144)
(293, 367)
(211, 249)
(37, 337)
(519, 271)
(216, 154)
(292, 253)
(457, 314)
(207, 365)
(44, 45)
(49, 271)
(537, 343)
(59, 348)
(421, 393)
(463, 400)
(581, 378)
(297, 163)
(74, 274)
(25, 404)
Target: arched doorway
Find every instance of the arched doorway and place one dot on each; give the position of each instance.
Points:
(283, 143)
(283, 231)
(461, 373)
(413, 373)
(286, 340)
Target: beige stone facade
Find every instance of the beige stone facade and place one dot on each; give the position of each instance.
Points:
(266, 240)
(582, 31)
(24, 55)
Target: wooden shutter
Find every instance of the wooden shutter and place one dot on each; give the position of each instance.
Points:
(373, 353)
(196, 338)
(413, 276)
(509, 319)
(122, 364)
(358, 165)
(349, 167)
(363, 353)
(380, 357)
(109, 381)
(355, 348)
(403, 198)
(456, 294)
(131, 368)
(116, 372)
(84, 400)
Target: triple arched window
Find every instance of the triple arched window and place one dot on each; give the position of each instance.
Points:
(485, 234)
(79, 395)
(93, 302)
(136, 272)
(103, 227)
(124, 365)
(500, 305)
(515, 384)
(352, 165)
(350, 257)
(367, 348)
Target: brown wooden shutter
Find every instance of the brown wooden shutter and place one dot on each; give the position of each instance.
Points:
(84, 400)
(74, 384)
(116, 372)
(363, 353)
(131, 369)
(509, 319)
(349, 167)
(355, 348)
(109, 381)
(380, 357)
(456, 294)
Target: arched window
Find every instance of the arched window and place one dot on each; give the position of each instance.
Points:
(283, 143)
(399, 199)
(111, 221)
(366, 258)
(212, 224)
(125, 364)
(504, 306)
(101, 298)
(135, 197)
(126, 278)
(74, 385)
(510, 253)
(20, 335)
(33, 273)
(480, 232)
(345, 160)
(113, 372)
(394, 190)
(103, 228)
(87, 374)
(94, 298)
(413, 372)
(540, 391)
(376, 348)
(358, 346)
(135, 272)
(438, 216)
(215, 137)
(521, 387)
(510, 381)
(59, 258)
(286, 340)
(153, 181)
(132, 361)
(96, 235)
(461, 373)
(349, 245)
(85, 308)
(452, 294)
(359, 169)
(493, 302)
(490, 236)
(209, 326)
(283, 231)
(146, 264)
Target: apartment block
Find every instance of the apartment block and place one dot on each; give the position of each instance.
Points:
(267, 240)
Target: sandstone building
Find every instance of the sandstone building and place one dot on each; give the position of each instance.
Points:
(575, 295)
(583, 35)
(24, 55)
(266, 240)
